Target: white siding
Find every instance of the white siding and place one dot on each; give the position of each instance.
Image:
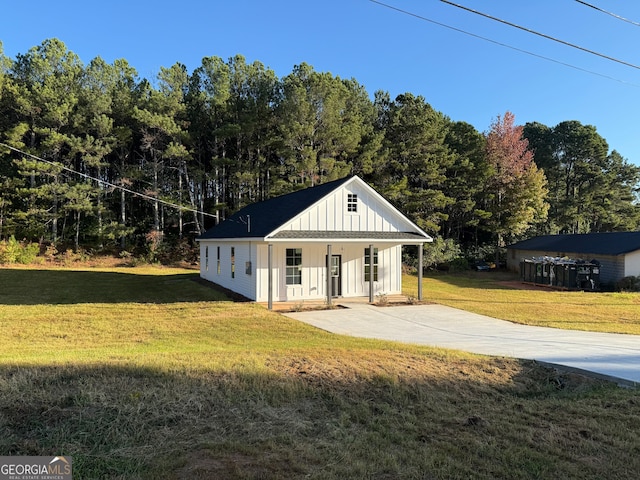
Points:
(330, 214)
(241, 282)
(374, 214)
(314, 280)
(632, 264)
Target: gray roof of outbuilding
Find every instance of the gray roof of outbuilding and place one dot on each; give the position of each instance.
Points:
(607, 243)
(260, 219)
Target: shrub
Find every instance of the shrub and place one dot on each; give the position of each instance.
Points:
(28, 253)
(441, 251)
(459, 264)
(50, 252)
(382, 298)
(628, 284)
(69, 257)
(12, 251)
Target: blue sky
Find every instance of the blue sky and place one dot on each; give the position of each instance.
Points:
(464, 77)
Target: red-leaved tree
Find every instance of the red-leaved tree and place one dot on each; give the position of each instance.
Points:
(516, 189)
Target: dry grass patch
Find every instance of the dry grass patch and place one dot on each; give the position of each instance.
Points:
(373, 413)
(145, 374)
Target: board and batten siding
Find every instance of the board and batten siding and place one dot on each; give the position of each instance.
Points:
(242, 281)
(254, 285)
(330, 214)
(314, 271)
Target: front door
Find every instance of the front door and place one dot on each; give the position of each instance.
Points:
(335, 270)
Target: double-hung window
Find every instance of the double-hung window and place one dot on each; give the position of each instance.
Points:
(294, 266)
(370, 264)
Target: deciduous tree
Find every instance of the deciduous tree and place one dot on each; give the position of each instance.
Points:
(516, 188)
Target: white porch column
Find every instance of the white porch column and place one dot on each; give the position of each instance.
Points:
(329, 275)
(371, 273)
(270, 277)
(420, 248)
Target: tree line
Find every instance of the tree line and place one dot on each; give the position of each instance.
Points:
(96, 157)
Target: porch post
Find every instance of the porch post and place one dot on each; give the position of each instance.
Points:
(329, 274)
(370, 273)
(420, 248)
(270, 277)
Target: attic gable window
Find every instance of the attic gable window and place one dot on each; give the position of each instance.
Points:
(352, 202)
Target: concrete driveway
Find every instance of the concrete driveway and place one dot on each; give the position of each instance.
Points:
(606, 354)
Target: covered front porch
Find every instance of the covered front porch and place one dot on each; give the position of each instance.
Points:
(334, 271)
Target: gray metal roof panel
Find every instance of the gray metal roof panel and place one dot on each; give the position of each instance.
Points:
(604, 243)
(260, 219)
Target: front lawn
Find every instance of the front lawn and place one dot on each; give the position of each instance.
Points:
(501, 295)
(143, 373)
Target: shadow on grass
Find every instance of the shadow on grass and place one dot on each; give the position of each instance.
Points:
(317, 417)
(54, 287)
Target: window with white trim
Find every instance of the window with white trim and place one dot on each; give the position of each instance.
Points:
(218, 262)
(368, 265)
(206, 258)
(294, 266)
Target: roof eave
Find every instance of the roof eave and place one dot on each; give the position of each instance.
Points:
(407, 241)
(233, 239)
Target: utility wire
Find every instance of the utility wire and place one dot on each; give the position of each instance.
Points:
(543, 35)
(520, 50)
(609, 13)
(109, 184)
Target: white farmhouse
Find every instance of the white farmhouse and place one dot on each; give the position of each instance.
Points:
(338, 239)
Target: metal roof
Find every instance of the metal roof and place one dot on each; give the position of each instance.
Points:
(605, 243)
(260, 220)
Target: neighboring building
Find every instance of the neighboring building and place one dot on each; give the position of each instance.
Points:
(617, 252)
(277, 250)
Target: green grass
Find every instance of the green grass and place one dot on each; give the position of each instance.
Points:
(147, 374)
(501, 295)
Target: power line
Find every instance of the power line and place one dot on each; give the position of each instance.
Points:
(609, 13)
(520, 50)
(108, 184)
(543, 35)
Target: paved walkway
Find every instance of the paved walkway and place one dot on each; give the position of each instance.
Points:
(607, 354)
